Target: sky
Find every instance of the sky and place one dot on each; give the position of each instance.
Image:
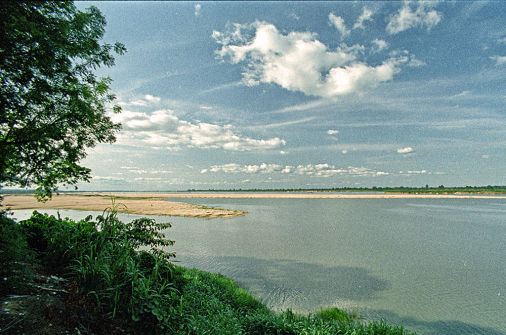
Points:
(243, 95)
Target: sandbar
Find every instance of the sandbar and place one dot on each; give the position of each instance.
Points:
(157, 203)
(132, 204)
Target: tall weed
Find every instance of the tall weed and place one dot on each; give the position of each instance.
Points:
(103, 256)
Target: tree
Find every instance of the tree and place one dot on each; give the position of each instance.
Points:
(52, 104)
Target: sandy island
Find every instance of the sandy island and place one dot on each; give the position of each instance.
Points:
(157, 204)
(132, 204)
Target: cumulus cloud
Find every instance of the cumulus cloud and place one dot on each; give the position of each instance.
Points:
(365, 16)
(407, 17)
(236, 168)
(162, 128)
(298, 61)
(316, 170)
(499, 60)
(338, 23)
(332, 132)
(406, 150)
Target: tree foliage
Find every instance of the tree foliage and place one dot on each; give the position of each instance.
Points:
(52, 105)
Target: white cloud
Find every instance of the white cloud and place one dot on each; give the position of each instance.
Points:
(294, 16)
(151, 98)
(146, 100)
(162, 128)
(406, 150)
(413, 62)
(332, 132)
(297, 61)
(417, 172)
(407, 17)
(499, 60)
(135, 170)
(502, 40)
(365, 16)
(314, 170)
(344, 151)
(282, 124)
(107, 178)
(379, 45)
(250, 169)
(338, 23)
(198, 9)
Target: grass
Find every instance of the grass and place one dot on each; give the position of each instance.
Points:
(115, 287)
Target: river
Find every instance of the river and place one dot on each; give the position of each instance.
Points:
(436, 266)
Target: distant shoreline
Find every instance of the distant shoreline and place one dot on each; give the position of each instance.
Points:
(264, 195)
(304, 195)
(159, 204)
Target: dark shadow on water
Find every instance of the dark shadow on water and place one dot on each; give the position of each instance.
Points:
(305, 287)
(290, 284)
(439, 327)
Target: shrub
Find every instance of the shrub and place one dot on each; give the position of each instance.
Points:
(15, 258)
(102, 256)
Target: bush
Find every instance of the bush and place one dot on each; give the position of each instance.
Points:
(141, 292)
(16, 258)
(102, 256)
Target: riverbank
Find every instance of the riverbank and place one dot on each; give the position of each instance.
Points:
(312, 195)
(88, 277)
(157, 203)
(132, 203)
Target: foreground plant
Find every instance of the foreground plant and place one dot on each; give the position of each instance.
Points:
(105, 259)
(120, 280)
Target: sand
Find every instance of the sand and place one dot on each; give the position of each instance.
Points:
(132, 204)
(156, 203)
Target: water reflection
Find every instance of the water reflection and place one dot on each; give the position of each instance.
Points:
(446, 327)
(290, 284)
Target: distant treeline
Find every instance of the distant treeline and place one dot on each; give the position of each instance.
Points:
(441, 189)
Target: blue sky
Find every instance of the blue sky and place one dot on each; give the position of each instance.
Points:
(305, 94)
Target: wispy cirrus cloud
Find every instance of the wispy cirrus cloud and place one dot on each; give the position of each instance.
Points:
(136, 170)
(364, 17)
(499, 60)
(298, 61)
(338, 23)
(197, 9)
(408, 17)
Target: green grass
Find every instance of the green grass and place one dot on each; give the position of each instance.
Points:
(141, 291)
